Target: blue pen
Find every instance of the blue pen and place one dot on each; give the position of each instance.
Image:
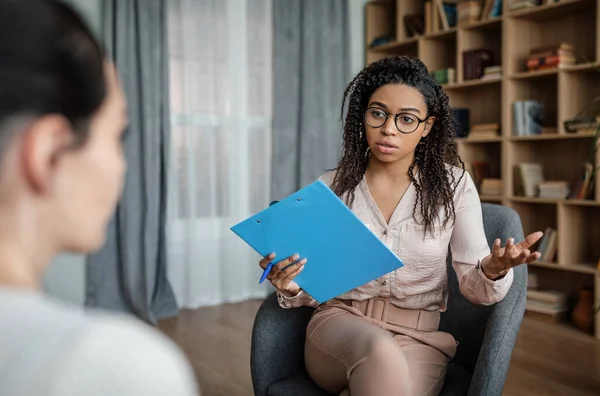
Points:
(268, 269)
(266, 272)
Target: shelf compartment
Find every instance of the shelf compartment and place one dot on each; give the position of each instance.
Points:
(560, 159)
(482, 100)
(543, 89)
(487, 36)
(438, 51)
(577, 28)
(380, 21)
(569, 279)
(490, 152)
(579, 227)
(577, 91)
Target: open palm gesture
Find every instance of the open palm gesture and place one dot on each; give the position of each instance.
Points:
(504, 258)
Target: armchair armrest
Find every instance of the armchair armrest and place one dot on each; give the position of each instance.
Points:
(498, 342)
(278, 339)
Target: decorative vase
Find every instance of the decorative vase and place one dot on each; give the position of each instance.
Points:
(583, 312)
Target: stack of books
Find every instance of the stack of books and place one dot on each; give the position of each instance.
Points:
(484, 131)
(492, 72)
(551, 57)
(554, 189)
(546, 305)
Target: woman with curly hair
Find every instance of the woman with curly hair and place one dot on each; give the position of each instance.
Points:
(400, 173)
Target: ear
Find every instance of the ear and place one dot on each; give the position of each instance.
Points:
(428, 126)
(45, 140)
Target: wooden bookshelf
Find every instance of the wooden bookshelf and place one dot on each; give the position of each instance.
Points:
(563, 91)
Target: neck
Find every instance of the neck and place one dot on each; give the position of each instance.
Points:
(394, 171)
(23, 255)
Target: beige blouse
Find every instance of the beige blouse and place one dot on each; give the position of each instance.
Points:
(422, 282)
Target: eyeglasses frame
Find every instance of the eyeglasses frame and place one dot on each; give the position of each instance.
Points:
(388, 114)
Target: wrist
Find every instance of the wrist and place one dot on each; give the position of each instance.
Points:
(485, 264)
(289, 294)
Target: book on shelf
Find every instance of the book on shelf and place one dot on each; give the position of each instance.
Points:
(444, 76)
(491, 9)
(414, 25)
(440, 15)
(514, 5)
(584, 188)
(475, 61)
(479, 171)
(468, 12)
(527, 177)
(528, 117)
(461, 118)
(547, 245)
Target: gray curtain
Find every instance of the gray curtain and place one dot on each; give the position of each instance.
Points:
(311, 66)
(129, 273)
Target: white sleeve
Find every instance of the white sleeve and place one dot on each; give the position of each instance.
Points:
(469, 245)
(121, 358)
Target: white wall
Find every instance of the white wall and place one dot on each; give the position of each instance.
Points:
(65, 277)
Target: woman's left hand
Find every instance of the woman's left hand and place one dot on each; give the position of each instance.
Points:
(502, 259)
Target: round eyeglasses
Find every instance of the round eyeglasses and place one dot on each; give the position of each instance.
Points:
(405, 122)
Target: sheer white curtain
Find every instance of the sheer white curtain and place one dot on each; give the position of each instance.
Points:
(221, 76)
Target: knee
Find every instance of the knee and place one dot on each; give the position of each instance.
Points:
(385, 351)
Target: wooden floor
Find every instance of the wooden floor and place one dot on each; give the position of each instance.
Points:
(547, 360)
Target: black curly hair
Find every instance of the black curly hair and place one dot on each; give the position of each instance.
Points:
(436, 184)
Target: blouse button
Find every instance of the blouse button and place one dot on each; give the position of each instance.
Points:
(384, 283)
(385, 232)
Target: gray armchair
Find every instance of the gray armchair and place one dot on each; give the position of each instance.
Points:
(486, 334)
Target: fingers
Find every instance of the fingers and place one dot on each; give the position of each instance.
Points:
(265, 261)
(532, 257)
(496, 249)
(284, 263)
(530, 240)
(281, 279)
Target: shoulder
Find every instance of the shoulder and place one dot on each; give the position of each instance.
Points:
(76, 351)
(123, 356)
(328, 177)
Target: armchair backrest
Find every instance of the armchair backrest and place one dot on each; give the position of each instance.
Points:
(467, 321)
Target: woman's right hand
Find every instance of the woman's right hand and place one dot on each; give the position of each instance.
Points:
(283, 273)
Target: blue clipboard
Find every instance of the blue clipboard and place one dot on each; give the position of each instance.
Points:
(342, 252)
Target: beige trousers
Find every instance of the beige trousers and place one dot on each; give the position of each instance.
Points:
(373, 348)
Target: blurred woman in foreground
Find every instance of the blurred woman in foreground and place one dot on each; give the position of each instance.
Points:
(62, 118)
